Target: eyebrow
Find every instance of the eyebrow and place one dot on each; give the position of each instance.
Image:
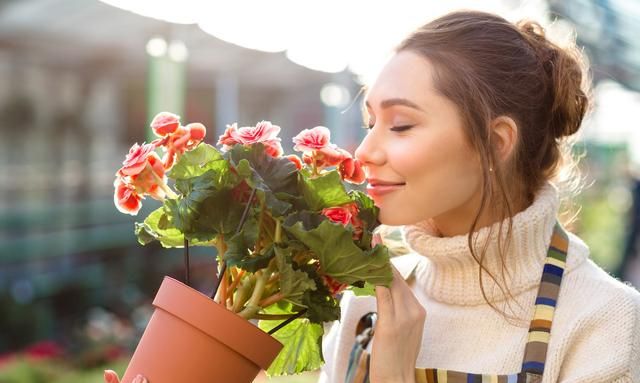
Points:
(396, 101)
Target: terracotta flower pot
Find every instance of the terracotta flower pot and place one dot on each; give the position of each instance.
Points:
(191, 338)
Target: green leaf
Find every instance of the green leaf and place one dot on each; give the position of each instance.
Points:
(341, 258)
(238, 254)
(368, 211)
(157, 227)
(293, 283)
(302, 342)
(324, 191)
(206, 207)
(321, 306)
(367, 290)
(198, 161)
(279, 174)
(275, 179)
(219, 214)
(308, 219)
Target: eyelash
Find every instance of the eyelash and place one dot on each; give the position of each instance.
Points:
(394, 129)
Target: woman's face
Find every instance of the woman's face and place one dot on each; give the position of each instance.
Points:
(417, 144)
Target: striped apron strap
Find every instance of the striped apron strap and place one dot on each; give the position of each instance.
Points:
(540, 329)
(359, 358)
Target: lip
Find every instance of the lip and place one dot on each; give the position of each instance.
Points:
(379, 182)
(381, 188)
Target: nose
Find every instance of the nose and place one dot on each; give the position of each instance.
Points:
(370, 151)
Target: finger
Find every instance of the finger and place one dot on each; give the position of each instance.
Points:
(375, 240)
(401, 293)
(398, 284)
(111, 376)
(384, 302)
(140, 379)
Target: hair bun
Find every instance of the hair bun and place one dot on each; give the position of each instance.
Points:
(565, 76)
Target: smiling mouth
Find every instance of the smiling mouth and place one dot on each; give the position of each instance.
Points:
(381, 189)
(381, 185)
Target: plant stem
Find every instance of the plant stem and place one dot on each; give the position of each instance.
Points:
(271, 300)
(230, 301)
(278, 235)
(242, 220)
(234, 273)
(266, 225)
(273, 278)
(235, 282)
(223, 291)
(165, 188)
(242, 294)
(253, 306)
(314, 168)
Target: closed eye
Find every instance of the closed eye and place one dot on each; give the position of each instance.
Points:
(395, 128)
(401, 128)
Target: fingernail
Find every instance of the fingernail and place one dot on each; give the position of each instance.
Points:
(139, 379)
(110, 376)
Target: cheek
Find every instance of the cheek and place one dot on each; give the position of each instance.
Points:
(440, 178)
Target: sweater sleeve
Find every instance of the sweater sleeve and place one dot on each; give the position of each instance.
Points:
(606, 347)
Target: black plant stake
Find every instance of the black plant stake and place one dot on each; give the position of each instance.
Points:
(223, 269)
(186, 261)
(289, 320)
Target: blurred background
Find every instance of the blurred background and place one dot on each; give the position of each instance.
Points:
(81, 79)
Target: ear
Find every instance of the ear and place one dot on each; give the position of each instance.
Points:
(504, 136)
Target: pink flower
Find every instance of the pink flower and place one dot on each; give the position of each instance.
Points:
(125, 197)
(340, 214)
(226, 139)
(147, 181)
(333, 286)
(182, 139)
(136, 160)
(344, 215)
(328, 156)
(142, 170)
(142, 173)
(351, 171)
(197, 131)
(165, 123)
(331, 155)
(264, 132)
(296, 160)
(312, 139)
(273, 148)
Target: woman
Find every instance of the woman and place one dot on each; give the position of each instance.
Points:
(467, 130)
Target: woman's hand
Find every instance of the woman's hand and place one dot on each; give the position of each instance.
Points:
(111, 376)
(398, 333)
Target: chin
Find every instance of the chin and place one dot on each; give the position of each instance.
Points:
(394, 219)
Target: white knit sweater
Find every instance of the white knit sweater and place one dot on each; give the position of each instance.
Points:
(595, 336)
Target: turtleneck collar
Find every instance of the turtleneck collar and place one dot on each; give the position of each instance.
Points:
(451, 275)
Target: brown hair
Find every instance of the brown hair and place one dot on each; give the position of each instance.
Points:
(489, 68)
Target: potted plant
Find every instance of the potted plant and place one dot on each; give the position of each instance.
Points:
(289, 235)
